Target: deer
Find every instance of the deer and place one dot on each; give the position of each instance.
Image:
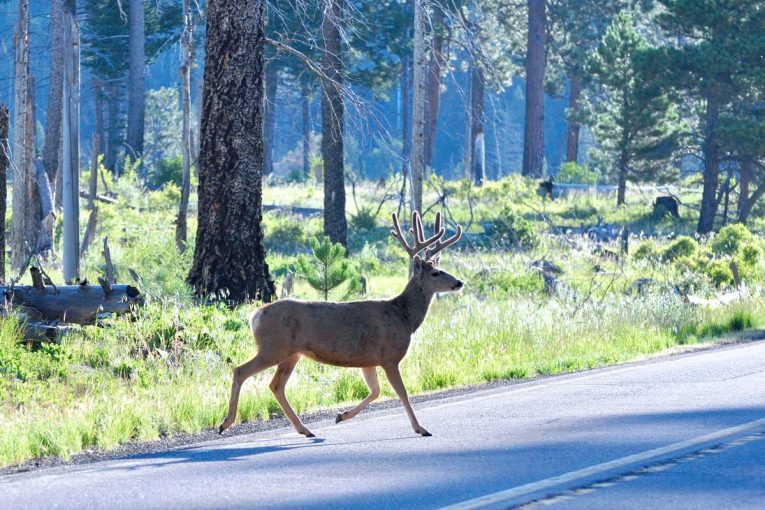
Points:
(362, 334)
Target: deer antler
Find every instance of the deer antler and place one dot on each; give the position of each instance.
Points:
(432, 252)
(419, 243)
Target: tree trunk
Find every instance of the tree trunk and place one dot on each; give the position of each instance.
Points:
(406, 116)
(229, 258)
(305, 104)
(435, 67)
(186, 46)
(621, 188)
(25, 206)
(533, 140)
(744, 202)
(4, 152)
(272, 85)
(111, 150)
(97, 146)
(332, 126)
(70, 168)
(475, 150)
(418, 105)
(572, 136)
(136, 94)
(52, 146)
(711, 170)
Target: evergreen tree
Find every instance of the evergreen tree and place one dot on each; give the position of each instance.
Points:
(634, 120)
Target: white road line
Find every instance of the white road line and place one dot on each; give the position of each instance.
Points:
(503, 498)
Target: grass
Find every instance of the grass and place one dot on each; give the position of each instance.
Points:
(168, 370)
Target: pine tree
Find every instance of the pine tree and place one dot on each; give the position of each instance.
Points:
(634, 120)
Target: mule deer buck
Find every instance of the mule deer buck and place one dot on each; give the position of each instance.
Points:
(363, 334)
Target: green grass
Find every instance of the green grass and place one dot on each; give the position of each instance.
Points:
(168, 370)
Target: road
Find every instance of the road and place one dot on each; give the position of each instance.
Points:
(683, 431)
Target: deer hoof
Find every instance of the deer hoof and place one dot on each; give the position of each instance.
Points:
(221, 428)
(339, 418)
(310, 434)
(423, 432)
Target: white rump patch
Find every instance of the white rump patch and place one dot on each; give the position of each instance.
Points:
(254, 321)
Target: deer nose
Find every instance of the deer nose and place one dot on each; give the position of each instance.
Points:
(458, 285)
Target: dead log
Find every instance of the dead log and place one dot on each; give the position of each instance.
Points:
(37, 332)
(78, 304)
(90, 231)
(107, 199)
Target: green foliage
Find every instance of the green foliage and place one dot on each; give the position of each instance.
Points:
(510, 229)
(571, 172)
(647, 251)
(365, 219)
(163, 126)
(634, 119)
(730, 239)
(168, 170)
(683, 246)
(283, 234)
(327, 268)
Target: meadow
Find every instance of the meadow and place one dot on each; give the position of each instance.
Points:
(167, 369)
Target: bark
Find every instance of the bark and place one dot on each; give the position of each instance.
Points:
(305, 102)
(272, 85)
(418, 105)
(25, 206)
(78, 304)
(745, 201)
(406, 117)
(136, 95)
(533, 140)
(52, 146)
(47, 215)
(711, 170)
(435, 67)
(4, 153)
(111, 151)
(475, 153)
(229, 257)
(96, 144)
(186, 47)
(71, 154)
(332, 126)
(572, 136)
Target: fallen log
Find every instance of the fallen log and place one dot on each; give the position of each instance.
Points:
(107, 199)
(37, 332)
(79, 304)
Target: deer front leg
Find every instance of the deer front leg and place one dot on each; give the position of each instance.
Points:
(241, 374)
(278, 383)
(370, 377)
(394, 377)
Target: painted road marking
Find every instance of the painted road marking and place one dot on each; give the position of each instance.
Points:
(504, 498)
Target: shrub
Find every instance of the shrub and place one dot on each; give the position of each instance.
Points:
(730, 239)
(683, 246)
(574, 173)
(283, 234)
(168, 170)
(509, 228)
(647, 251)
(719, 271)
(364, 220)
(327, 268)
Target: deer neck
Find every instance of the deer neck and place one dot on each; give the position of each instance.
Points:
(412, 304)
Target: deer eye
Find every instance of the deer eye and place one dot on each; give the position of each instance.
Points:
(435, 273)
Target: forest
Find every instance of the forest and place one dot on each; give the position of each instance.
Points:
(171, 165)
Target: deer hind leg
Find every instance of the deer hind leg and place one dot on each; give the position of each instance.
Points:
(278, 383)
(370, 377)
(394, 377)
(241, 374)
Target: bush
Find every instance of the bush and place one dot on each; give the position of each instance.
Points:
(730, 238)
(509, 228)
(168, 170)
(364, 220)
(683, 246)
(719, 271)
(327, 268)
(647, 251)
(571, 172)
(283, 234)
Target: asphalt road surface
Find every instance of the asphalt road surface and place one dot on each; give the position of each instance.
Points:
(678, 432)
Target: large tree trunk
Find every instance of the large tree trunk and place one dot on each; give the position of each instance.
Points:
(305, 104)
(572, 136)
(475, 148)
(435, 66)
(229, 258)
(272, 85)
(533, 140)
(70, 167)
(4, 153)
(136, 94)
(52, 146)
(418, 105)
(711, 170)
(25, 206)
(406, 116)
(333, 125)
(186, 46)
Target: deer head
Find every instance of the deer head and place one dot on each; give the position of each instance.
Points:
(425, 268)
